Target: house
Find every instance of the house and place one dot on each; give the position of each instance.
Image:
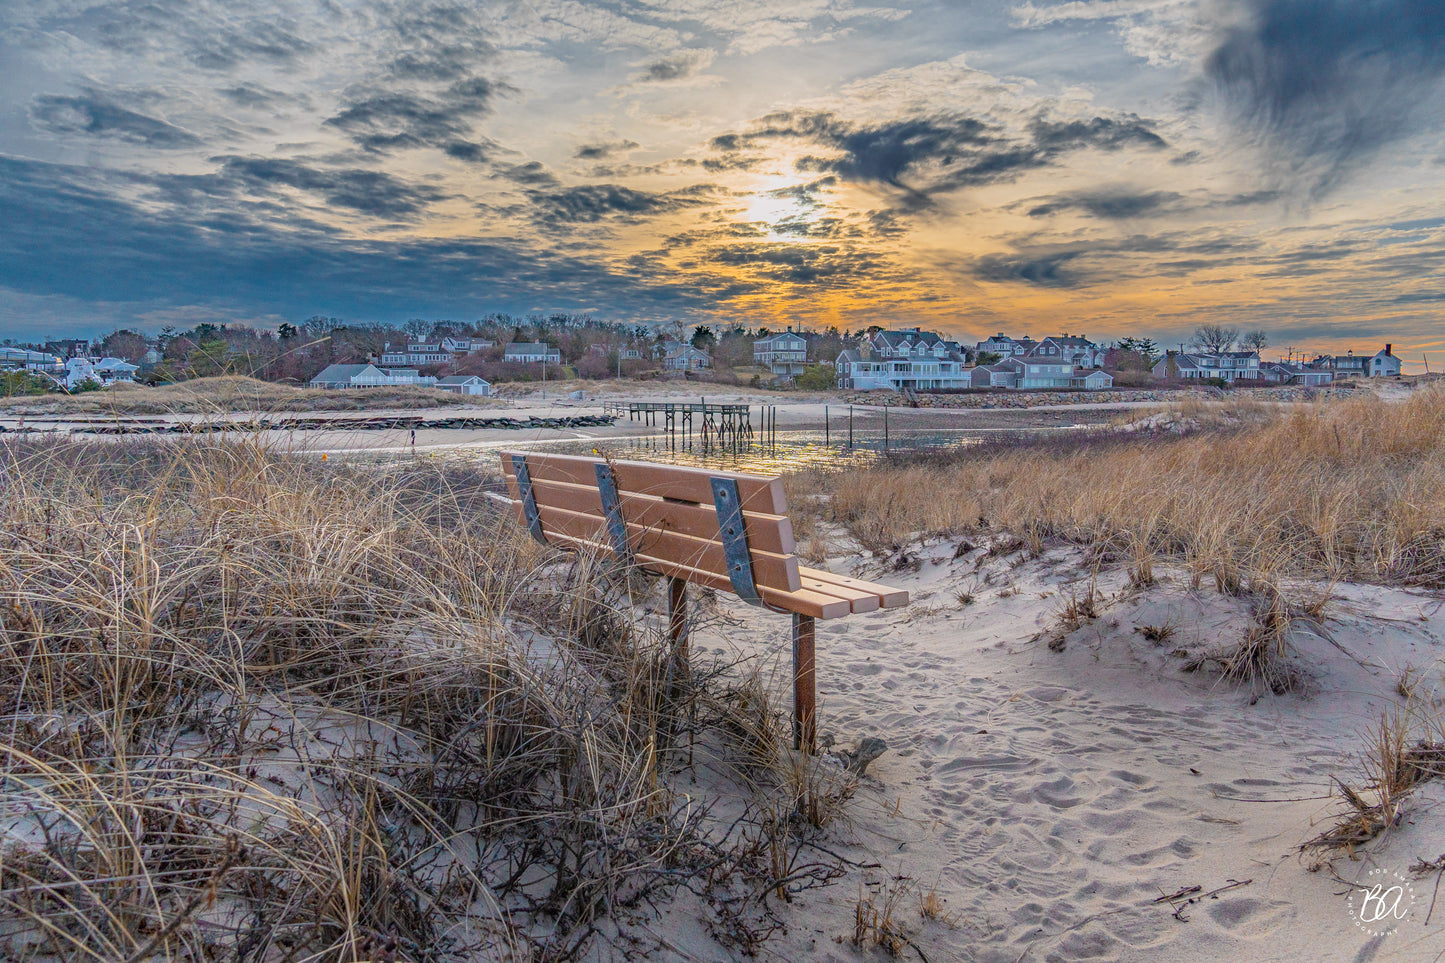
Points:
(1344, 365)
(1384, 364)
(1076, 348)
(1045, 371)
(1003, 374)
(999, 344)
(905, 359)
(684, 357)
(415, 353)
(17, 358)
(1224, 365)
(466, 385)
(785, 355)
(105, 372)
(1091, 379)
(465, 345)
(1291, 373)
(368, 376)
(532, 352)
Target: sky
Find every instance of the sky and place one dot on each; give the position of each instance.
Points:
(1108, 168)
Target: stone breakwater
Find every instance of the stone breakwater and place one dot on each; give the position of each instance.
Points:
(132, 427)
(1037, 399)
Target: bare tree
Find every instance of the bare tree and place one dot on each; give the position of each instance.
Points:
(1215, 337)
(1256, 340)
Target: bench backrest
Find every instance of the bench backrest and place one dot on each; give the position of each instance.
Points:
(724, 530)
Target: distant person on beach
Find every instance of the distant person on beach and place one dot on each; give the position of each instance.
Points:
(413, 437)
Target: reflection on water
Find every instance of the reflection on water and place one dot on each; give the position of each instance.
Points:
(790, 451)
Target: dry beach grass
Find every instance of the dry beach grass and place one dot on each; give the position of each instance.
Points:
(255, 708)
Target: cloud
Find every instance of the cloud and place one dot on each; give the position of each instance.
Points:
(605, 149)
(95, 114)
(1114, 204)
(924, 155)
(591, 203)
(679, 66)
(69, 233)
(381, 120)
(375, 193)
(1047, 270)
(1327, 84)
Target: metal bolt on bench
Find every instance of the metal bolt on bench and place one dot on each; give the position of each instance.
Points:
(723, 530)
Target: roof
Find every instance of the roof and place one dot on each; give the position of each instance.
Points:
(782, 334)
(1090, 372)
(1071, 341)
(530, 347)
(895, 338)
(342, 372)
(850, 355)
(462, 380)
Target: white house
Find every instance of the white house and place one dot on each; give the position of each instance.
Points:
(466, 385)
(785, 355)
(368, 376)
(532, 352)
(106, 371)
(1384, 364)
(908, 358)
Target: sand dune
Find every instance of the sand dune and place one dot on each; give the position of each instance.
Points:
(1052, 797)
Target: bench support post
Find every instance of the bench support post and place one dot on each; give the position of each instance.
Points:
(805, 689)
(677, 617)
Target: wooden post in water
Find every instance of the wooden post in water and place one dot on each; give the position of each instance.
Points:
(805, 688)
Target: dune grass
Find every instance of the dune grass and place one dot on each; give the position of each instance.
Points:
(1349, 489)
(255, 708)
(232, 393)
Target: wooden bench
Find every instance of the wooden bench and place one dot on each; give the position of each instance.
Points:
(723, 530)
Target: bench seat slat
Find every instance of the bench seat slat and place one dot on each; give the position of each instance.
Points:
(803, 601)
(858, 601)
(756, 492)
(888, 597)
(766, 532)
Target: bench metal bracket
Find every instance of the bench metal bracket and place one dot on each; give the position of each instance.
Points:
(612, 508)
(734, 539)
(529, 500)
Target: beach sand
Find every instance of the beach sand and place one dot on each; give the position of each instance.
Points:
(1050, 798)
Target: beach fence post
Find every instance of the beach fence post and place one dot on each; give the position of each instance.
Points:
(850, 427)
(885, 427)
(805, 687)
(826, 442)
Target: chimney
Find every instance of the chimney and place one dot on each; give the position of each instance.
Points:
(1387, 349)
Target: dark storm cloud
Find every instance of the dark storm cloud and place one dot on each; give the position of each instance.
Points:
(605, 150)
(382, 120)
(69, 234)
(1110, 205)
(795, 263)
(370, 192)
(1327, 83)
(95, 114)
(926, 155)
